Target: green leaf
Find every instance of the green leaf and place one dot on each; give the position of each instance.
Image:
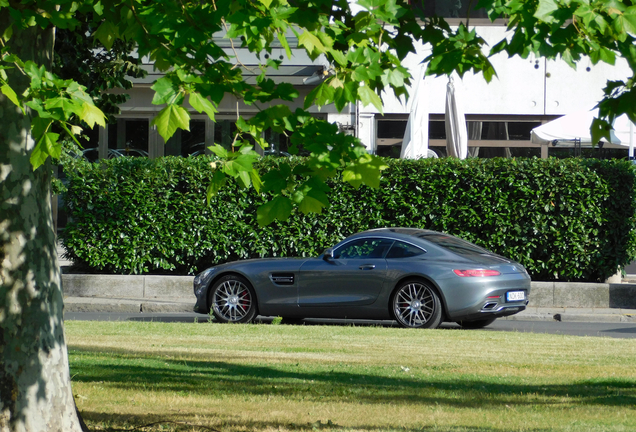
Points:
(202, 104)
(275, 180)
(10, 94)
(46, 146)
(244, 178)
(67, 106)
(99, 8)
(368, 96)
(546, 9)
(279, 208)
(365, 171)
(312, 44)
(171, 118)
(35, 73)
(53, 147)
(339, 57)
(218, 181)
(107, 33)
(283, 41)
(91, 115)
(8, 32)
(165, 92)
(321, 95)
(242, 164)
(256, 180)
(627, 20)
(39, 126)
(313, 201)
(600, 129)
(219, 151)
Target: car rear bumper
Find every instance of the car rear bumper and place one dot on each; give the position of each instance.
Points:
(497, 312)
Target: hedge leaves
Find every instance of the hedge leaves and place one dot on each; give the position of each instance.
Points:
(570, 219)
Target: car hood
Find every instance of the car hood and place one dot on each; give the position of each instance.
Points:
(289, 264)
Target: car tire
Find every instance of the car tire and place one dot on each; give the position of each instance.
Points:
(232, 300)
(416, 304)
(476, 324)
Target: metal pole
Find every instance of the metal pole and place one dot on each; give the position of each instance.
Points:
(631, 140)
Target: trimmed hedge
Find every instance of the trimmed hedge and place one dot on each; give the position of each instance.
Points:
(571, 219)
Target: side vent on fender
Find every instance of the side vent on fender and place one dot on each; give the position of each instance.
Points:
(282, 278)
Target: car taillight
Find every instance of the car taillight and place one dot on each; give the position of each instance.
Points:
(476, 273)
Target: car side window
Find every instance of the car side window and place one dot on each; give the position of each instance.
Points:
(363, 248)
(404, 250)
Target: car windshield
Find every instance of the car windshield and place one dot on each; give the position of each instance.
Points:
(453, 243)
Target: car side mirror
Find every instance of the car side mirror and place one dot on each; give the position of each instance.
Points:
(327, 254)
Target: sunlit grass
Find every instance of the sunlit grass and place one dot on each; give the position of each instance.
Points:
(192, 377)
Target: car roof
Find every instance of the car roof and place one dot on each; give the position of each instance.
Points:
(424, 238)
(398, 232)
(412, 235)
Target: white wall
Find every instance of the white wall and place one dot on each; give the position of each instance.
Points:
(522, 86)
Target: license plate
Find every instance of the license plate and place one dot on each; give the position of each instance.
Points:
(515, 296)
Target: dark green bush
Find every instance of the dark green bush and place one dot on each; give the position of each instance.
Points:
(567, 219)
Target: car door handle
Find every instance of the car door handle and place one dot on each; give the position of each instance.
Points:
(367, 267)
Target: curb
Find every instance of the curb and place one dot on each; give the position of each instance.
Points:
(181, 305)
(111, 305)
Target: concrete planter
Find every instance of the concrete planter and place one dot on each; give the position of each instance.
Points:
(543, 294)
(121, 286)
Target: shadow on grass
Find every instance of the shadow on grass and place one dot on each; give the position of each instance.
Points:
(163, 373)
(173, 423)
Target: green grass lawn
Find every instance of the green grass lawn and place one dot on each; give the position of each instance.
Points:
(199, 377)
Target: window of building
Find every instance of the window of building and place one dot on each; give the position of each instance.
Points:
(89, 139)
(495, 135)
(278, 143)
(449, 8)
(128, 137)
(390, 133)
(186, 143)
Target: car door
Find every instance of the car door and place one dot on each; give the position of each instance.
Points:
(354, 276)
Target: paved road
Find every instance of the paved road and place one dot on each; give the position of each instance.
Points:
(615, 330)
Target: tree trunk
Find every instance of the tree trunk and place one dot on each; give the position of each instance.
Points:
(35, 384)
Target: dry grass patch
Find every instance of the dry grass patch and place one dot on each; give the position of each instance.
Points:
(192, 377)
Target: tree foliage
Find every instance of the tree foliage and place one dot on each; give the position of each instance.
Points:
(86, 61)
(364, 50)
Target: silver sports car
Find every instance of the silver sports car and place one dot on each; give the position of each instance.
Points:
(417, 277)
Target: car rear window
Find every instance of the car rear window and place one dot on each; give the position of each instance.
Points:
(404, 250)
(452, 243)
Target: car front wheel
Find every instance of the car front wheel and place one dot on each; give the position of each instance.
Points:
(416, 305)
(232, 300)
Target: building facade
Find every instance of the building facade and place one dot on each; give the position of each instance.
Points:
(499, 114)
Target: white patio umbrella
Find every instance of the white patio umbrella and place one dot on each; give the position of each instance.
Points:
(415, 142)
(456, 130)
(575, 127)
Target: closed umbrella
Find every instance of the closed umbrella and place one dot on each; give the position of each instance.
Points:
(456, 131)
(415, 142)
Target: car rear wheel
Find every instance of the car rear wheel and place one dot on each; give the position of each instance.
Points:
(416, 304)
(477, 324)
(232, 300)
